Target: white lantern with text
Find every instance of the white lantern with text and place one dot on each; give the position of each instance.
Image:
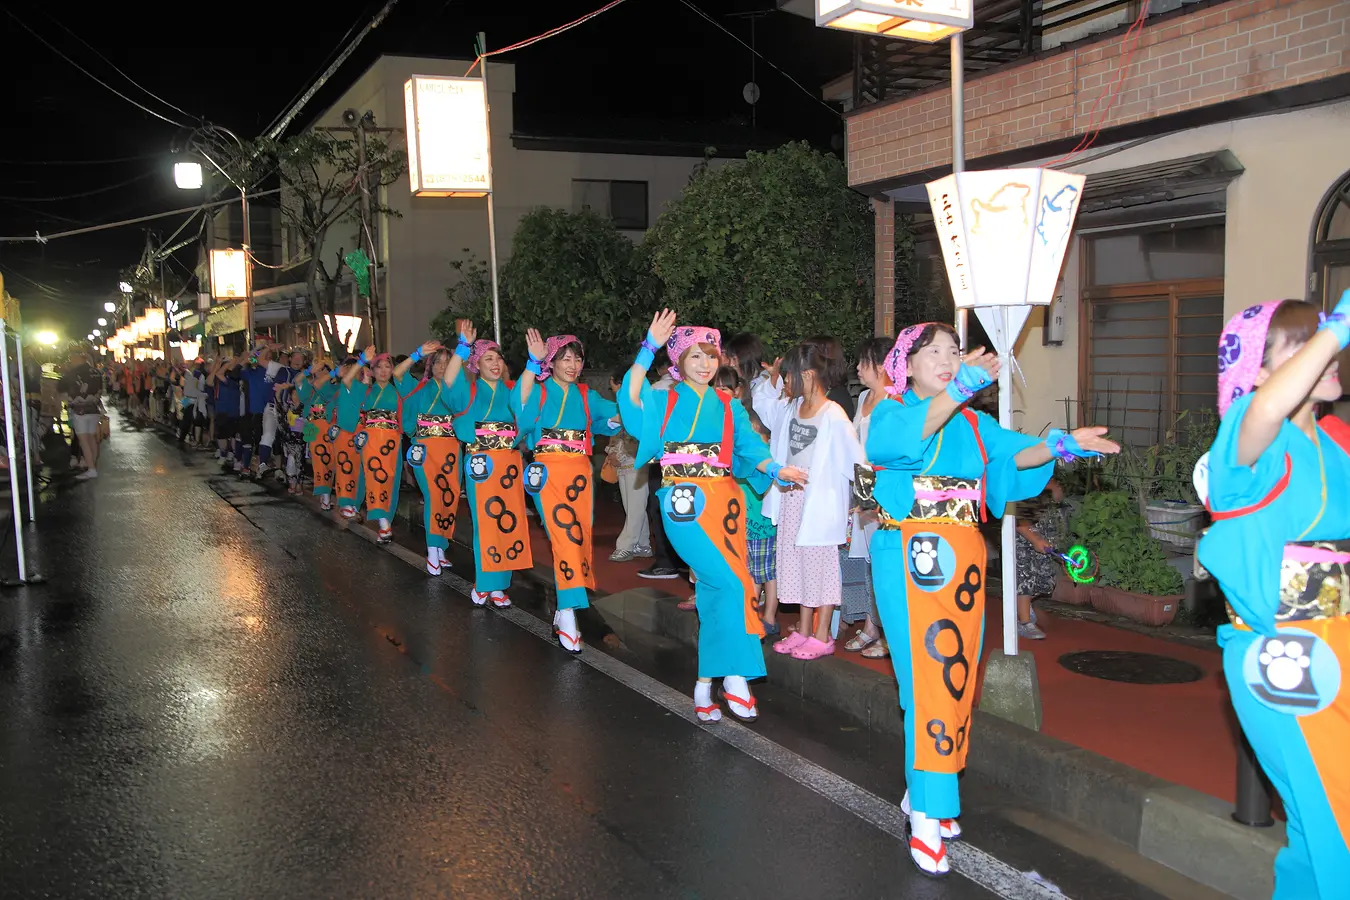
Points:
(229, 274)
(1004, 233)
(347, 329)
(448, 153)
(915, 20)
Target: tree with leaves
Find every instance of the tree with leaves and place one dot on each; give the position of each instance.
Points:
(568, 272)
(778, 244)
(320, 174)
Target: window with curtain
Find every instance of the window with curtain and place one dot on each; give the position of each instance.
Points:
(1153, 312)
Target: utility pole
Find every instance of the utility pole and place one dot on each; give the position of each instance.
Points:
(367, 236)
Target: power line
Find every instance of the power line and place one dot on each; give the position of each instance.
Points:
(42, 239)
(102, 190)
(114, 67)
(770, 63)
(552, 32)
(290, 115)
(318, 71)
(49, 46)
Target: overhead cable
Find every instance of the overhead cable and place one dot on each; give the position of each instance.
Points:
(49, 46)
(44, 238)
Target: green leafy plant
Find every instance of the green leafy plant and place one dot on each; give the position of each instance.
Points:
(1110, 525)
(470, 297)
(777, 244)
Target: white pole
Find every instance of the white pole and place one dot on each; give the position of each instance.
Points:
(1008, 549)
(492, 213)
(9, 445)
(958, 67)
(27, 441)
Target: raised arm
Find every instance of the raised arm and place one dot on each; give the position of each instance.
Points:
(467, 335)
(535, 344)
(1288, 387)
(425, 350)
(662, 327)
(350, 374)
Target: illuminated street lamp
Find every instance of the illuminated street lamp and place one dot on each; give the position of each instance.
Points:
(124, 287)
(46, 338)
(110, 307)
(187, 175)
(102, 322)
(95, 333)
(927, 21)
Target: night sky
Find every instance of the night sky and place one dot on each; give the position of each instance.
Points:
(76, 154)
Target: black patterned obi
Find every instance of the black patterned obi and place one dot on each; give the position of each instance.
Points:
(1314, 582)
(561, 440)
(434, 426)
(386, 419)
(492, 436)
(938, 499)
(318, 413)
(682, 461)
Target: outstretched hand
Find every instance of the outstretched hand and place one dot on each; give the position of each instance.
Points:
(663, 326)
(981, 359)
(535, 344)
(430, 347)
(1093, 437)
(467, 332)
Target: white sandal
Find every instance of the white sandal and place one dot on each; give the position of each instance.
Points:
(860, 640)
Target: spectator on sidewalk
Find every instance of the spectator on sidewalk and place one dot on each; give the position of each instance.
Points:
(82, 388)
(1036, 569)
(634, 542)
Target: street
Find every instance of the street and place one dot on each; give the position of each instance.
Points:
(219, 694)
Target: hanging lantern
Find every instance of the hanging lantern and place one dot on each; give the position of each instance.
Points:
(914, 20)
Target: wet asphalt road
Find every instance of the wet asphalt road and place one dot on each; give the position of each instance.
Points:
(237, 699)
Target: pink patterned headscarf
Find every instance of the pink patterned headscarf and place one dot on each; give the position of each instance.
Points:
(551, 348)
(476, 354)
(686, 337)
(1242, 346)
(897, 361)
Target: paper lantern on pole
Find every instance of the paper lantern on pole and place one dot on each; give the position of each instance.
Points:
(154, 321)
(914, 20)
(229, 274)
(448, 154)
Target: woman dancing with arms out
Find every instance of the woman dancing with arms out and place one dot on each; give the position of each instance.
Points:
(486, 422)
(939, 469)
(377, 440)
(317, 388)
(703, 438)
(1279, 495)
(557, 420)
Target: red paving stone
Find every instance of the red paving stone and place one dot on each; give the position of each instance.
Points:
(1183, 733)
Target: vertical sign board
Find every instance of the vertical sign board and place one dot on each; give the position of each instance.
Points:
(229, 274)
(448, 153)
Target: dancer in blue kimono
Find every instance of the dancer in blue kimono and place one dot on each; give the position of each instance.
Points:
(937, 470)
(1277, 483)
(485, 420)
(557, 419)
(703, 439)
(317, 388)
(434, 457)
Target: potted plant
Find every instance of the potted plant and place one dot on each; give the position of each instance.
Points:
(1134, 579)
(1174, 512)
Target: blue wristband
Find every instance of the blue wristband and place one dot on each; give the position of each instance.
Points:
(463, 350)
(958, 391)
(534, 367)
(772, 471)
(416, 355)
(1338, 323)
(1065, 448)
(361, 360)
(646, 356)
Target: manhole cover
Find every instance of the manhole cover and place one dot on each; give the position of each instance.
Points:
(1131, 668)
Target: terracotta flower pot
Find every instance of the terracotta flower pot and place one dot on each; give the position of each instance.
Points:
(1143, 608)
(1069, 591)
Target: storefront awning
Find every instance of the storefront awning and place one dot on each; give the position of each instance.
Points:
(1169, 189)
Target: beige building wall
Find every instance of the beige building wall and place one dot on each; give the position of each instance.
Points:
(434, 231)
(1290, 161)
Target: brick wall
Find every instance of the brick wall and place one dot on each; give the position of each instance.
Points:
(1217, 54)
(884, 262)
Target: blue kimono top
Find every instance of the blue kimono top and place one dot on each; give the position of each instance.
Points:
(553, 404)
(354, 400)
(423, 398)
(324, 394)
(696, 418)
(1244, 553)
(480, 400)
(897, 447)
